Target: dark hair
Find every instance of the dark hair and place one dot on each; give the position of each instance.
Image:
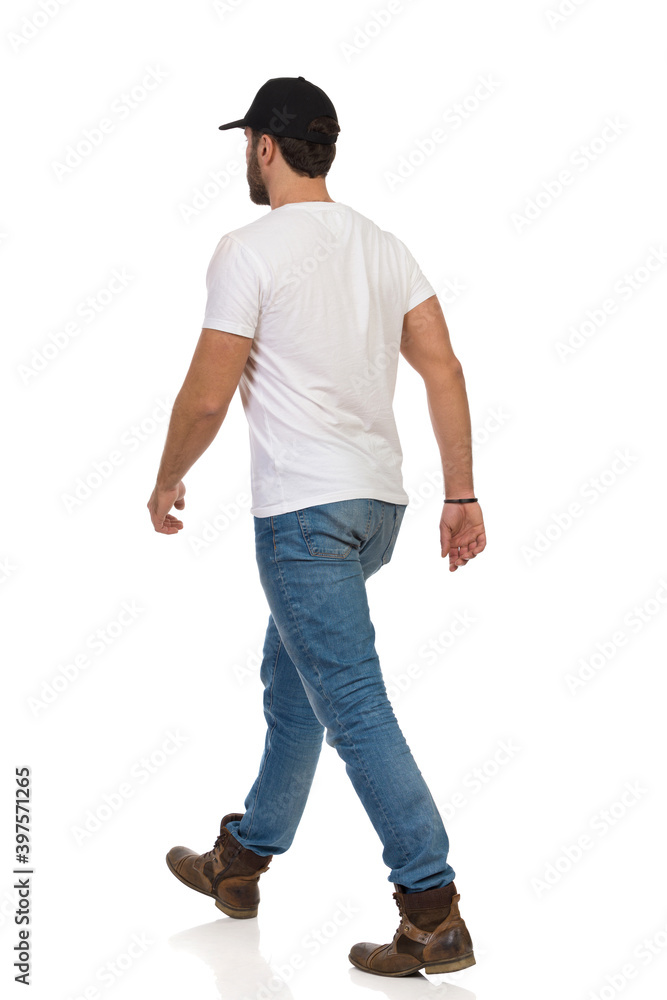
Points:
(310, 159)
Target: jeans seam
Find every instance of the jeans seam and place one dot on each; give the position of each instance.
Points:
(379, 527)
(393, 537)
(368, 522)
(270, 734)
(362, 767)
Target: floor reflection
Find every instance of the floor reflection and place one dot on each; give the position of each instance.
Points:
(416, 985)
(231, 950)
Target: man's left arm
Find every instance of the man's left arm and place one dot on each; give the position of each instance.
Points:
(197, 415)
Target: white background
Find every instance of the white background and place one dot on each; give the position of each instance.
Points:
(551, 593)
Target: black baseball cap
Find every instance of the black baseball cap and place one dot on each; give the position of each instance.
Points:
(285, 105)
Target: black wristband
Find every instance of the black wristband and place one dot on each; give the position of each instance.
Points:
(467, 500)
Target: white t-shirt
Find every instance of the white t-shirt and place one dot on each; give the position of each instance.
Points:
(323, 292)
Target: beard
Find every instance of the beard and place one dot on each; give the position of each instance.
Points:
(258, 193)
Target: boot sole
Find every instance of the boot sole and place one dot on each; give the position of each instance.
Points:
(229, 910)
(450, 965)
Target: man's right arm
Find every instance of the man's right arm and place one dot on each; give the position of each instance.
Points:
(425, 345)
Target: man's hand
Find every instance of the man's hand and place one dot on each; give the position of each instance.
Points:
(159, 505)
(461, 533)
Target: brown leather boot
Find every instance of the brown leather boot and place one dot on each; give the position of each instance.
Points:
(229, 872)
(432, 936)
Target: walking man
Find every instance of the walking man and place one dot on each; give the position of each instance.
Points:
(308, 309)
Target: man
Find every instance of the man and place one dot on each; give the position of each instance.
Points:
(307, 311)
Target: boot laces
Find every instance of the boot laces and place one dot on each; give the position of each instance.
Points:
(401, 905)
(220, 839)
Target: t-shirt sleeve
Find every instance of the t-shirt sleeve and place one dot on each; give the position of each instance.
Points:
(233, 289)
(418, 287)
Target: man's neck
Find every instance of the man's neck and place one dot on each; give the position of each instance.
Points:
(296, 198)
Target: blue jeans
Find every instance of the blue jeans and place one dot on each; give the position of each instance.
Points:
(321, 674)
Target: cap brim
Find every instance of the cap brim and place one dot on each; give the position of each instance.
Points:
(238, 124)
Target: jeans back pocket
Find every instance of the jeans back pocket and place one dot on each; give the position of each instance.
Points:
(332, 530)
